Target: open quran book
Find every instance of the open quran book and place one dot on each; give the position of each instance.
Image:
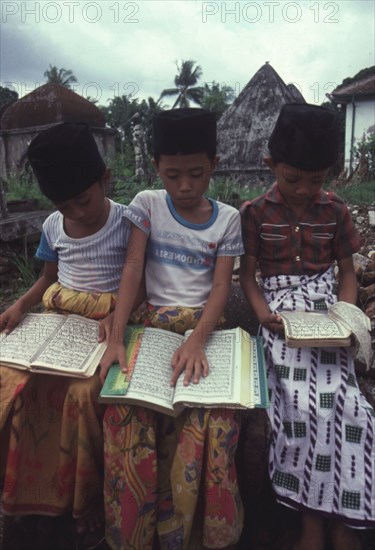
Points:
(51, 343)
(236, 379)
(342, 325)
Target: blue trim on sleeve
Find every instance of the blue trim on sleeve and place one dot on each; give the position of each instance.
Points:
(185, 223)
(44, 252)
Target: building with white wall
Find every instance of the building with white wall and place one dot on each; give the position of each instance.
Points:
(358, 100)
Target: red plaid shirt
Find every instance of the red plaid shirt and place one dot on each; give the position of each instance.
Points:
(286, 244)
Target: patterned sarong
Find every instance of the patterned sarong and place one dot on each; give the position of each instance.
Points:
(174, 478)
(322, 454)
(51, 437)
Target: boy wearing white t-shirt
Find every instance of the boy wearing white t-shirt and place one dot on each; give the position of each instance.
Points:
(189, 243)
(51, 426)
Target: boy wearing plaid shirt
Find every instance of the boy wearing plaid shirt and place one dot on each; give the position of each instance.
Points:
(322, 453)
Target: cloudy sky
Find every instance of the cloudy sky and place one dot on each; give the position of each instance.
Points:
(118, 47)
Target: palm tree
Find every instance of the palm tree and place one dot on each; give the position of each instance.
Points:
(217, 97)
(185, 80)
(65, 77)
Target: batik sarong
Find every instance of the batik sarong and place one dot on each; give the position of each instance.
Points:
(171, 478)
(51, 428)
(322, 454)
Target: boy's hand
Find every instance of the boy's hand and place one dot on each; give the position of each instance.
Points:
(191, 358)
(11, 318)
(273, 322)
(115, 353)
(105, 327)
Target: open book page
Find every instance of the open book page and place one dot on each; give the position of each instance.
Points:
(302, 325)
(150, 381)
(21, 346)
(74, 349)
(228, 381)
(355, 320)
(237, 377)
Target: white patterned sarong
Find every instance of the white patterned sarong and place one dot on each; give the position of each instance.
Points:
(322, 454)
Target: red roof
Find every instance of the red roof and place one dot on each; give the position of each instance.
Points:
(48, 104)
(364, 87)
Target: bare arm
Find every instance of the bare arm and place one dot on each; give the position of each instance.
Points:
(13, 315)
(106, 324)
(255, 297)
(131, 280)
(347, 291)
(190, 356)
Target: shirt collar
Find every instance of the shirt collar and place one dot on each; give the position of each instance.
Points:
(274, 195)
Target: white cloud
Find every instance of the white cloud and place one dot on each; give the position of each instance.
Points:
(117, 43)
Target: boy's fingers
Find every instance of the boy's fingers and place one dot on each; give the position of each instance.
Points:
(175, 375)
(123, 364)
(197, 371)
(175, 359)
(205, 368)
(178, 365)
(191, 366)
(8, 327)
(101, 334)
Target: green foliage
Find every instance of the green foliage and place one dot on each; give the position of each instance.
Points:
(122, 113)
(28, 267)
(366, 148)
(7, 96)
(185, 81)
(360, 193)
(362, 74)
(217, 97)
(65, 77)
(230, 191)
(127, 188)
(227, 190)
(23, 186)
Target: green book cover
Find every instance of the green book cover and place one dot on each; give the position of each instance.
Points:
(260, 376)
(117, 382)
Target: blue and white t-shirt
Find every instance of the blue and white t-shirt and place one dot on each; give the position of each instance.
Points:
(89, 264)
(181, 255)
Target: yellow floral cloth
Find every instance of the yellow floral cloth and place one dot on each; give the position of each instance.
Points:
(51, 428)
(171, 477)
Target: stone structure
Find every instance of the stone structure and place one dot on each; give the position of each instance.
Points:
(140, 153)
(244, 128)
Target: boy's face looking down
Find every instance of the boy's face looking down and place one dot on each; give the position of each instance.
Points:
(297, 186)
(186, 179)
(89, 207)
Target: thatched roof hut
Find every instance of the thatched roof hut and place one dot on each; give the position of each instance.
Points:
(246, 125)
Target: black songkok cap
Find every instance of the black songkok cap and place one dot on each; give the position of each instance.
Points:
(184, 132)
(305, 136)
(66, 160)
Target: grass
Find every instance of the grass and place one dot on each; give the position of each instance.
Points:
(22, 186)
(126, 189)
(227, 190)
(360, 193)
(28, 268)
